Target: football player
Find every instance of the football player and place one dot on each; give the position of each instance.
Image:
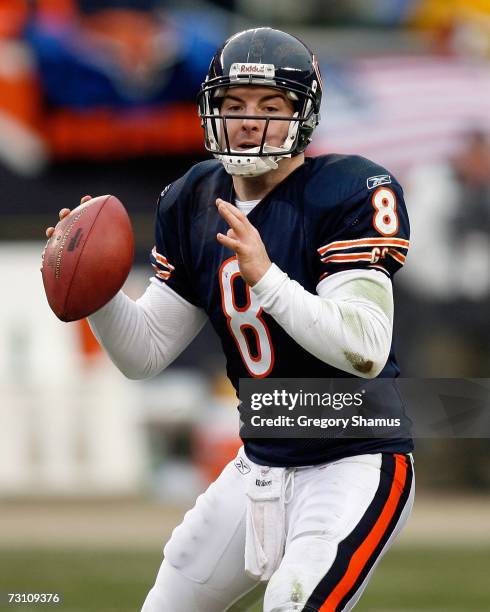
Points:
(291, 259)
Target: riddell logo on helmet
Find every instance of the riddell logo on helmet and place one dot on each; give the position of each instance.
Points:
(252, 68)
(246, 69)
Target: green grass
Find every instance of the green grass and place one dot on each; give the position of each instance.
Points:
(423, 580)
(442, 580)
(102, 581)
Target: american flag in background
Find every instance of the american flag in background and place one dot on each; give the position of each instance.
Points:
(402, 111)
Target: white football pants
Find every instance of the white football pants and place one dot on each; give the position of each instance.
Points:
(341, 517)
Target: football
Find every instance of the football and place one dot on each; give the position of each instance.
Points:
(88, 258)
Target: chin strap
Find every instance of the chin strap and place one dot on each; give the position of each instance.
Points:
(241, 165)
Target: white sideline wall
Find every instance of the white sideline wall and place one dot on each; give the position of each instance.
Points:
(65, 428)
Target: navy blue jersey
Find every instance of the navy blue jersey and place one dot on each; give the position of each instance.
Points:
(333, 213)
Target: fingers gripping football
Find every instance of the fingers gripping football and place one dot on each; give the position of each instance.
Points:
(244, 239)
(63, 213)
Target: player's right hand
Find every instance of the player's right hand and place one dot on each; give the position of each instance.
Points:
(62, 214)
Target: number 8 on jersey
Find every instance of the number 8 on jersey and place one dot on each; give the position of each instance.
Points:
(247, 317)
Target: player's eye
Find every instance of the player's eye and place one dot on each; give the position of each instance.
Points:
(234, 108)
(271, 109)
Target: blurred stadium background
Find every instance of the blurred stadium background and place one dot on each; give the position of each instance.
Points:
(98, 96)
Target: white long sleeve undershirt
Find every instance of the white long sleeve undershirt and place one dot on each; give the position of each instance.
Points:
(347, 325)
(143, 337)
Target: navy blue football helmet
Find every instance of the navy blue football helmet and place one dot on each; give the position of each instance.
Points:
(268, 58)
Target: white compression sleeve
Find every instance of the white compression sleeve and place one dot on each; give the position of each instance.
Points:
(143, 337)
(348, 325)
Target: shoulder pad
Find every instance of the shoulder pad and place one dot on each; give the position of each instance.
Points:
(184, 186)
(337, 178)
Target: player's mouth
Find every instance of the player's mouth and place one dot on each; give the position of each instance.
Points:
(244, 146)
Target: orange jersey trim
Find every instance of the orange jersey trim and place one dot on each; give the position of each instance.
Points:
(360, 242)
(160, 273)
(397, 256)
(161, 259)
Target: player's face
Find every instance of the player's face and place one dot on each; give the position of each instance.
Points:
(245, 134)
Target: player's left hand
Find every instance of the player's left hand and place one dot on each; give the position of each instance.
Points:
(244, 239)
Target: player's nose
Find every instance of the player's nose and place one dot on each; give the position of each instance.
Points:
(253, 125)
